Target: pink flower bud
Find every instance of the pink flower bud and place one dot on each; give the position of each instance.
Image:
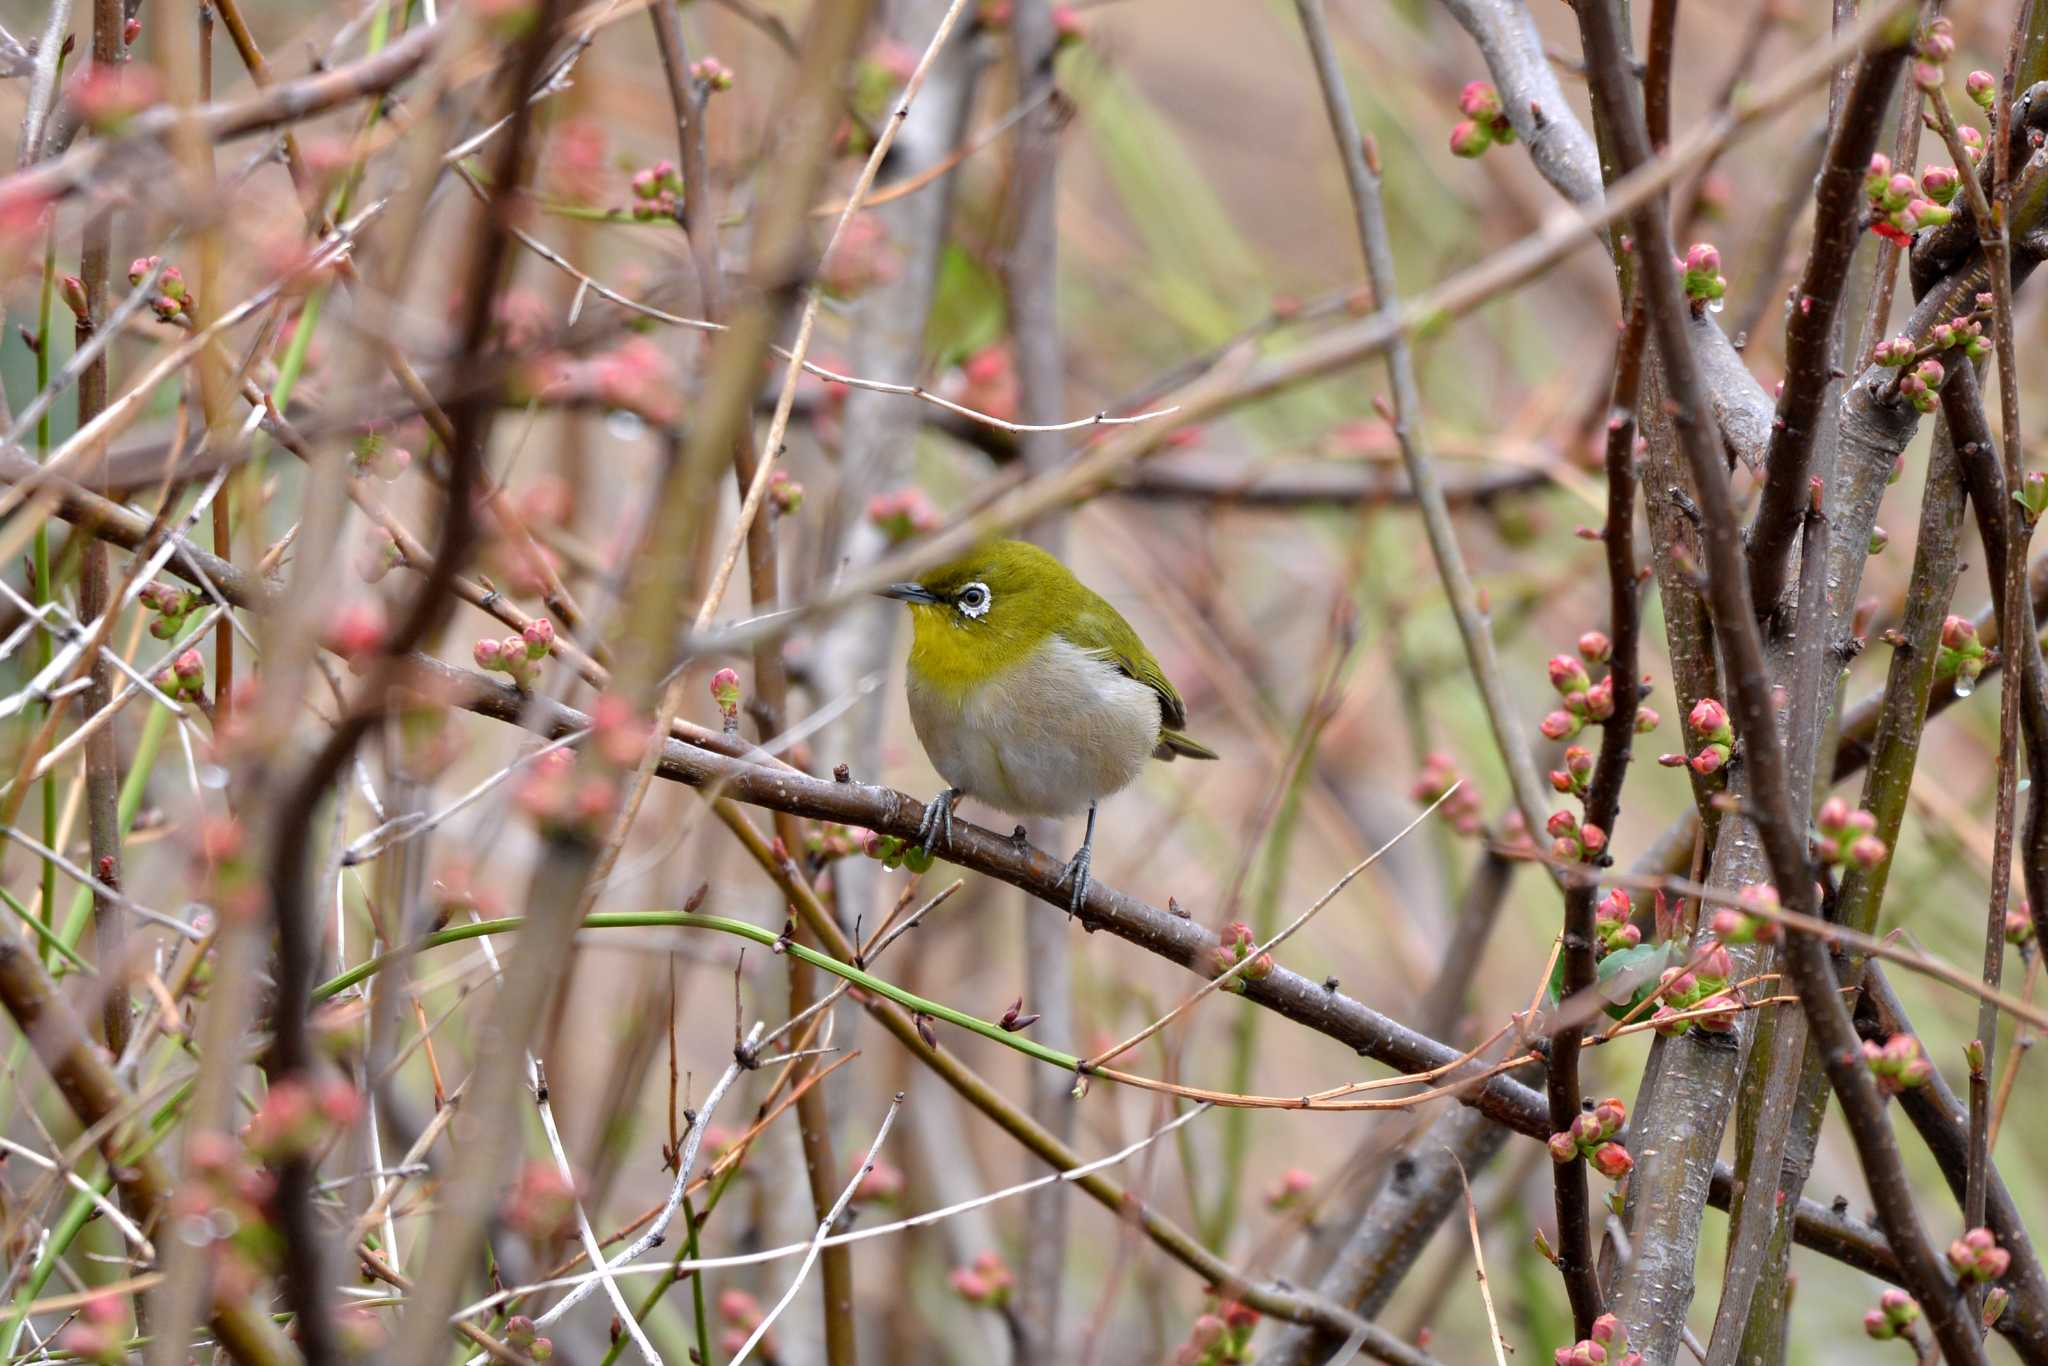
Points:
(1561, 825)
(1709, 760)
(1481, 101)
(1612, 1161)
(539, 635)
(1596, 647)
(1958, 632)
(1708, 716)
(1593, 837)
(1647, 720)
(1559, 725)
(1834, 814)
(1568, 675)
(1982, 87)
(1563, 1147)
(1470, 139)
(1703, 257)
(725, 691)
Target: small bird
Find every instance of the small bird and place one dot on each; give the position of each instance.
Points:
(1031, 693)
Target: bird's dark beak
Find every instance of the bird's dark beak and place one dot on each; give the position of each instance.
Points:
(909, 592)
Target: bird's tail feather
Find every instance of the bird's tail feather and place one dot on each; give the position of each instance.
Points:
(1174, 745)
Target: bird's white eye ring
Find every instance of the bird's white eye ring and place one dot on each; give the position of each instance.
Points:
(974, 600)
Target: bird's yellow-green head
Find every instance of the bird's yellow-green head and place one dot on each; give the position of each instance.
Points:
(977, 615)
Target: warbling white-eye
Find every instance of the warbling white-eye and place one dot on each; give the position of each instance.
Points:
(1031, 693)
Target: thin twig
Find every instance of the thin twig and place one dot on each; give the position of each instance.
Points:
(817, 1242)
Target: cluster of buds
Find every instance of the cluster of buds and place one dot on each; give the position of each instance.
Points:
(97, 1333)
(1611, 924)
(1577, 773)
(1608, 1346)
(785, 495)
(1976, 1256)
(1920, 384)
(2032, 496)
(184, 676)
(1066, 20)
(903, 513)
(171, 605)
(1982, 88)
(1287, 1192)
(1897, 1064)
(657, 189)
(618, 732)
(1961, 655)
(987, 382)
(2019, 925)
(173, 299)
(107, 95)
(357, 631)
(1715, 734)
(1932, 48)
(1705, 286)
(1584, 700)
(827, 843)
(892, 852)
(1901, 206)
(1594, 1135)
(542, 1203)
(712, 74)
(1485, 123)
(297, 1118)
(1222, 1336)
(863, 258)
(741, 1314)
(1574, 841)
(1848, 836)
(1697, 994)
(1967, 333)
(523, 1335)
(225, 874)
(377, 454)
(224, 1206)
(517, 655)
(1439, 775)
(1741, 924)
(562, 801)
(986, 1284)
(1894, 1317)
(1235, 942)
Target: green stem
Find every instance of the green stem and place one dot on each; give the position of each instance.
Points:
(45, 645)
(77, 1213)
(640, 920)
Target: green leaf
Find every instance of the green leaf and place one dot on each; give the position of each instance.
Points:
(1623, 977)
(968, 310)
(1628, 975)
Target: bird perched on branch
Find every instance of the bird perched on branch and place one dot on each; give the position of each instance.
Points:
(1031, 693)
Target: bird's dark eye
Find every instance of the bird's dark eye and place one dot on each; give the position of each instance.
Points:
(973, 600)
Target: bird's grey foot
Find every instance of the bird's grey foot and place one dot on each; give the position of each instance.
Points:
(936, 830)
(1076, 870)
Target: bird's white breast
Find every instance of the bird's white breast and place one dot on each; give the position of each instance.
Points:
(1045, 737)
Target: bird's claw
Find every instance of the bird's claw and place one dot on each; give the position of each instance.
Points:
(1076, 872)
(936, 829)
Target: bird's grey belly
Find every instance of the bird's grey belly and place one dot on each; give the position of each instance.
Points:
(1044, 738)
